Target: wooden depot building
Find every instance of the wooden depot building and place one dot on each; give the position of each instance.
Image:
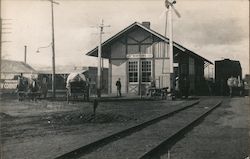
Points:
(137, 56)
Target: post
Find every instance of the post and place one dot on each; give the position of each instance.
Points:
(25, 54)
(140, 77)
(0, 46)
(99, 62)
(53, 51)
(171, 69)
(170, 40)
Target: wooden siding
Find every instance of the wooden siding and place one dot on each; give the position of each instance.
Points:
(162, 75)
(118, 50)
(191, 71)
(158, 49)
(133, 49)
(118, 71)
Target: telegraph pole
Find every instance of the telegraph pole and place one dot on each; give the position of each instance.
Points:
(53, 49)
(99, 62)
(101, 26)
(25, 54)
(1, 143)
(0, 45)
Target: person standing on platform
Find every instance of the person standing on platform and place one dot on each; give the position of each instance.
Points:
(118, 86)
(230, 83)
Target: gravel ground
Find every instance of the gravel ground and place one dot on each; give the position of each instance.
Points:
(46, 129)
(224, 134)
(138, 143)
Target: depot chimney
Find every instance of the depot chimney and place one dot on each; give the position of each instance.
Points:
(146, 24)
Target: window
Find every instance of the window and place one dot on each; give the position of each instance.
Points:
(146, 71)
(133, 71)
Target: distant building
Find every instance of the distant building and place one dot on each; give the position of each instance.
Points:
(11, 69)
(224, 69)
(137, 55)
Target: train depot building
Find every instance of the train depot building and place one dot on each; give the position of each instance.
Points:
(137, 55)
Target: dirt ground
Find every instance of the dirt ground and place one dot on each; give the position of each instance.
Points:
(46, 129)
(138, 143)
(224, 134)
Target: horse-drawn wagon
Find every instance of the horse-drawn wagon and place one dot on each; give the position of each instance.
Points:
(77, 86)
(236, 86)
(28, 88)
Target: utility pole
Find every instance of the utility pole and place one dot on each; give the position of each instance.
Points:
(1, 143)
(101, 26)
(0, 45)
(25, 54)
(53, 49)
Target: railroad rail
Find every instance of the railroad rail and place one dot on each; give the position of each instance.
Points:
(121, 134)
(193, 114)
(161, 148)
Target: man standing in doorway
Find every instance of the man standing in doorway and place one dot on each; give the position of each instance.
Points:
(118, 85)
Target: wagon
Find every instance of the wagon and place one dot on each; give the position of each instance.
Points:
(77, 86)
(236, 86)
(26, 89)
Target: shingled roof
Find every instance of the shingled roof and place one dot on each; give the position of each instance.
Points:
(10, 66)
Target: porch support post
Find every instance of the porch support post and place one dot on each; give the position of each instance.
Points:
(110, 77)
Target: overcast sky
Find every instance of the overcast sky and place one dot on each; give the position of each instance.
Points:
(214, 29)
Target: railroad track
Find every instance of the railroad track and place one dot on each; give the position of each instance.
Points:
(114, 145)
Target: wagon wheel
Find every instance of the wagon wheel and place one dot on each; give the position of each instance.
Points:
(86, 95)
(19, 96)
(68, 96)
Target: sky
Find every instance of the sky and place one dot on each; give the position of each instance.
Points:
(214, 29)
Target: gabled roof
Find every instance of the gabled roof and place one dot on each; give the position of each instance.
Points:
(10, 66)
(93, 52)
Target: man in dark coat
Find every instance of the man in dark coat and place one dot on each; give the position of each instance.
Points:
(119, 86)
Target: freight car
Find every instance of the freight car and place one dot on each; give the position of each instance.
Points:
(225, 69)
